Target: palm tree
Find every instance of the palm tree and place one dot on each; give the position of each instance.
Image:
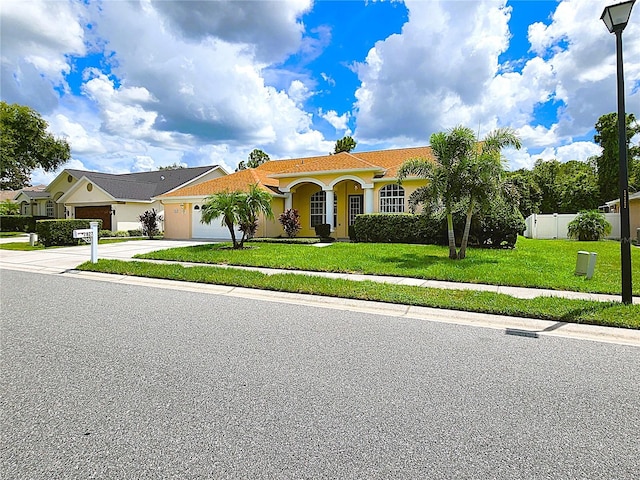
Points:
(465, 168)
(257, 201)
(451, 149)
(226, 205)
(482, 174)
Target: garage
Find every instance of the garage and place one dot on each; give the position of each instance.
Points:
(212, 231)
(102, 212)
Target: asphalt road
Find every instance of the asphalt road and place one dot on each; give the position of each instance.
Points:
(103, 380)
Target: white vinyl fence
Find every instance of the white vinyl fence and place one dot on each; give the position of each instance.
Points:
(556, 225)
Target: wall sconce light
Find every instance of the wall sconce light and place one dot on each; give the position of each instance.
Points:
(113, 211)
(182, 206)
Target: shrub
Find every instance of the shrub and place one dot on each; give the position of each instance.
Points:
(149, 221)
(499, 227)
(589, 225)
(323, 230)
(60, 232)
(135, 233)
(105, 233)
(397, 228)
(290, 221)
(18, 223)
(121, 233)
(7, 207)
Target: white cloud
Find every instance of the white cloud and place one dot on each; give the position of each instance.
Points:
(434, 74)
(442, 70)
(339, 122)
(298, 92)
(144, 163)
(37, 38)
(270, 29)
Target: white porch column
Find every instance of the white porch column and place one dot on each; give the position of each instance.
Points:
(368, 199)
(329, 207)
(288, 201)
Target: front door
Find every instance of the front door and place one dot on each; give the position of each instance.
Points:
(356, 203)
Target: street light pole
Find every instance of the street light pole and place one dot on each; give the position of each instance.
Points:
(615, 18)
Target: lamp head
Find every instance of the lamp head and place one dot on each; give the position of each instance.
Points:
(615, 17)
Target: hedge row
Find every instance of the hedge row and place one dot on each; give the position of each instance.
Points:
(60, 231)
(497, 229)
(18, 223)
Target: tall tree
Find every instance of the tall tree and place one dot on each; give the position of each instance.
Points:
(524, 190)
(256, 158)
(444, 183)
(173, 166)
(466, 170)
(345, 144)
(608, 163)
(481, 174)
(26, 145)
(545, 173)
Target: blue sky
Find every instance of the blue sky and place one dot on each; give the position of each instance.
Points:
(135, 85)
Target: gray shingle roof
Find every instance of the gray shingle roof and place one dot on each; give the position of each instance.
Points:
(141, 185)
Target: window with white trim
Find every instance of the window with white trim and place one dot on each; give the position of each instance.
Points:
(50, 209)
(392, 199)
(317, 208)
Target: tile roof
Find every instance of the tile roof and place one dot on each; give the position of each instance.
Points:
(383, 162)
(238, 181)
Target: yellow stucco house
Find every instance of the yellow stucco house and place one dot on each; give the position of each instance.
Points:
(331, 189)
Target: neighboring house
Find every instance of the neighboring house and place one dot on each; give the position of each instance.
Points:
(331, 189)
(33, 201)
(634, 211)
(117, 199)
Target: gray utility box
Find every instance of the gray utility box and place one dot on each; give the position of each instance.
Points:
(586, 263)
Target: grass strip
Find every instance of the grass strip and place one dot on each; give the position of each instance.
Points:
(546, 308)
(532, 264)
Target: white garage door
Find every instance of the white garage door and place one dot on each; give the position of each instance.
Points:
(214, 230)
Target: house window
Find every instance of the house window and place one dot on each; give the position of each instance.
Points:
(50, 209)
(392, 199)
(317, 208)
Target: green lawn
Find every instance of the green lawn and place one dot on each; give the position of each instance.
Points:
(533, 263)
(550, 308)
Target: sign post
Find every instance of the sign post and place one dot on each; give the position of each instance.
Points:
(94, 242)
(89, 235)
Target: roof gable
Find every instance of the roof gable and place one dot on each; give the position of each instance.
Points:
(140, 186)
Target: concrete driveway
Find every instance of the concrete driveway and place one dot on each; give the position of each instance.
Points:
(58, 260)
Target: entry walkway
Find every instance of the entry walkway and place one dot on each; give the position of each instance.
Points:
(60, 260)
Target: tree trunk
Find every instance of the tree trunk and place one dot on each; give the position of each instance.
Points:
(453, 255)
(465, 235)
(233, 233)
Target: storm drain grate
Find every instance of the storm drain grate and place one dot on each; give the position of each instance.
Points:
(521, 333)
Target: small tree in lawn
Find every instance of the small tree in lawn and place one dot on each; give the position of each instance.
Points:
(290, 221)
(256, 202)
(149, 221)
(224, 205)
